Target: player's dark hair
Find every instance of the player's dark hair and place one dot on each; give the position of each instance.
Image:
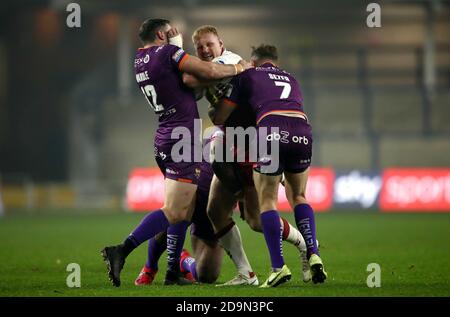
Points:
(265, 52)
(148, 29)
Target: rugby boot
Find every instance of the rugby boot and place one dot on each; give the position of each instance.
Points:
(115, 259)
(317, 270)
(277, 277)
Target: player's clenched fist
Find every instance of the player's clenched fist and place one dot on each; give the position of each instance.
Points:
(174, 37)
(172, 32)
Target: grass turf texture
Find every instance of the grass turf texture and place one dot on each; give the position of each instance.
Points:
(412, 250)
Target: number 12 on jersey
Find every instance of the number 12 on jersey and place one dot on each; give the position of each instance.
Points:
(150, 94)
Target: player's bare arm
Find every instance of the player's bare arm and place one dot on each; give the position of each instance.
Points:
(194, 82)
(210, 71)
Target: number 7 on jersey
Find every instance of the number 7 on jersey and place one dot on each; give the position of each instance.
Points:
(286, 89)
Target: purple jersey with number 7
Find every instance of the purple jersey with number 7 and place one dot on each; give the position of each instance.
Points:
(269, 90)
(266, 89)
(158, 75)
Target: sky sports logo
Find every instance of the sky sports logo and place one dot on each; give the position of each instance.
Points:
(394, 190)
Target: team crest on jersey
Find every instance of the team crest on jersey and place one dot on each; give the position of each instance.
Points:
(197, 172)
(177, 56)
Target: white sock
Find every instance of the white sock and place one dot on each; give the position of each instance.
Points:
(296, 238)
(232, 243)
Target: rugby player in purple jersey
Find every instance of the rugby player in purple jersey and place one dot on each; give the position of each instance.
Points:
(284, 132)
(158, 67)
(233, 181)
(205, 266)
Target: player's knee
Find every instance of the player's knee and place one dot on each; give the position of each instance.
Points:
(215, 214)
(299, 199)
(254, 223)
(225, 172)
(175, 215)
(211, 214)
(207, 276)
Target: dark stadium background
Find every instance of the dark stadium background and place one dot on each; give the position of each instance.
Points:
(73, 125)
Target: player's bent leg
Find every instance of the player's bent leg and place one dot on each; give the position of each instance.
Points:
(220, 210)
(290, 234)
(208, 258)
(220, 206)
(251, 208)
(267, 188)
(156, 247)
(230, 239)
(175, 240)
(179, 198)
(305, 220)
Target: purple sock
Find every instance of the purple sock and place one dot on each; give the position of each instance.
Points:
(175, 240)
(304, 218)
(155, 250)
(151, 225)
(271, 226)
(188, 264)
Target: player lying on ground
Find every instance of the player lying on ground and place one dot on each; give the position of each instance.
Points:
(233, 181)
(274, 96)
(158, 67)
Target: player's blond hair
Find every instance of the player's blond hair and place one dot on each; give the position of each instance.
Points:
(202, 30)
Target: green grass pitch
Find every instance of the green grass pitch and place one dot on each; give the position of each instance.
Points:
(413, 251)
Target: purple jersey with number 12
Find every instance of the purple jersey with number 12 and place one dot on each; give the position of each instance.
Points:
(158, 74)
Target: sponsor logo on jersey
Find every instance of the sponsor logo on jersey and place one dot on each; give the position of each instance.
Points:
(177, 56)
(162, 155)
(138, 61)
(171, 171)
(146, 58)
